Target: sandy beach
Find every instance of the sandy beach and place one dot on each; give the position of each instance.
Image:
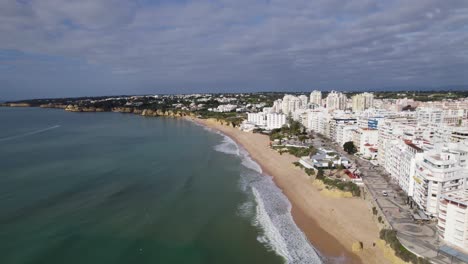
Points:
(331, 224)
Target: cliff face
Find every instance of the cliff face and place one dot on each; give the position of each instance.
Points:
(122, 109)
(19, 105)
(50, 105)
(130, 110)
(76, 108)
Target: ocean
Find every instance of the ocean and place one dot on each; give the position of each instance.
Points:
(120, 188)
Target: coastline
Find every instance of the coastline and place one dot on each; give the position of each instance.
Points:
(333, 225)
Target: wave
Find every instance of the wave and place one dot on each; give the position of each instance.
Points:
(269, 208)
(271, 235)
(280, 232)
(29, 133)
(228, 146)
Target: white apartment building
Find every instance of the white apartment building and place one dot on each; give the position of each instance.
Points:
(318, 121)
(438, 116)
(336, 101)
(410, 155)
(365, 137)
(316, 97)
(290, 103)
(441, 170)
(304, 100)
(275, 120)
(277, 106)
(258, 119)
(266, 119)
(344, 133)
(361, 102)
(452, 224)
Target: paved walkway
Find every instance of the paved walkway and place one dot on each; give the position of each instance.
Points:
(420, 239)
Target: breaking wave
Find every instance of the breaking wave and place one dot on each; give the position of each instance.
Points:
(269, 209)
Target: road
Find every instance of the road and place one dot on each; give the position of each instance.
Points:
(421, 239)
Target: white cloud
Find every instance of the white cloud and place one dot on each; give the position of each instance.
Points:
(267, 44)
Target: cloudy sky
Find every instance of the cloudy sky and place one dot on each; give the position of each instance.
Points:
(55, 48)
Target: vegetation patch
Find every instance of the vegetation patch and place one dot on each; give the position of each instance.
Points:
(346, 186)
(389, 236)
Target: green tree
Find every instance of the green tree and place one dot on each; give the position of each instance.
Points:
(349, 147)
(320, 174)
(302, 138)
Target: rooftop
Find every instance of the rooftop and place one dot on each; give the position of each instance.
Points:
(460, 197)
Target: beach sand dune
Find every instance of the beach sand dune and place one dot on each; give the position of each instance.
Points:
(335, 226)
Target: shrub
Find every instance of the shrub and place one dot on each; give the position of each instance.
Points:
(389, 236)
(346, 186)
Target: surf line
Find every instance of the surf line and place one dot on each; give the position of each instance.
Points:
(29, 133)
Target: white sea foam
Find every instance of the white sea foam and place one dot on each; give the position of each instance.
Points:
(288, 241)
(248, 162)
(270, 209)
(271, 235)
(29, 133)
(228, 146)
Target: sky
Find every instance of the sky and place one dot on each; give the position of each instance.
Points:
(61, 48)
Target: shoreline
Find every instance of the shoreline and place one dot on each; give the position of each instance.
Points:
(328, 235)
(332, 225)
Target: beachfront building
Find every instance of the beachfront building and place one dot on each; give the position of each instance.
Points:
(275, 120)
(452, 224)
(324, 159)
(267, 119)
(411, 154)
(316, 98)
(443, 169)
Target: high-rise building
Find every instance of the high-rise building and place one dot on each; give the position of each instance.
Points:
(285, 104)
(304, 100)
(336, 101)
(362, 101)
(316, 97)
(292, 103)
(443, 169)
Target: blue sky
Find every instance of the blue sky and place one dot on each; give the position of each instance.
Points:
(58, 48)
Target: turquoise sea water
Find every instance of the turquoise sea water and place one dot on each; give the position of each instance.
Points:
(120, 188)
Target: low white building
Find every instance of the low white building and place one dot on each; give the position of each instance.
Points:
(225, 108)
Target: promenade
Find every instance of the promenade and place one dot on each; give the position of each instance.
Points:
(421, 239)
